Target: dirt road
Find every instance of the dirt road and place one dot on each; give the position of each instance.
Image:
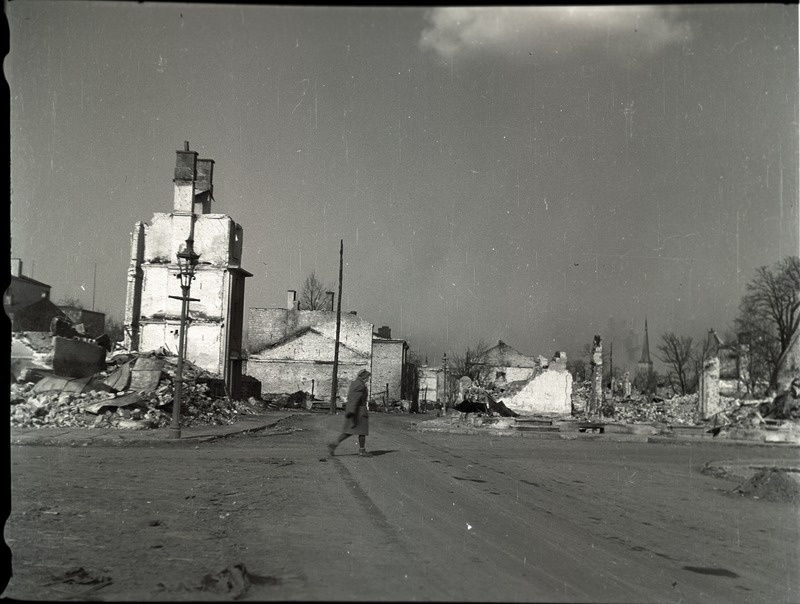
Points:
(429, 517)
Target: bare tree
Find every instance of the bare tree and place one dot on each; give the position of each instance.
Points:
(700, 353)
(114, 329)
(676, 352)
(577, 367)
(313, 295)
(471, 363)
(769, 313)
(71, 302)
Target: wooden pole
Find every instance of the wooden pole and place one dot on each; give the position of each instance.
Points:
(338, 330)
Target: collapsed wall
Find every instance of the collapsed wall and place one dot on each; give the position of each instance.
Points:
(549, 392)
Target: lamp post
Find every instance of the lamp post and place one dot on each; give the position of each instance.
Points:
(444, 385)
(187, 263)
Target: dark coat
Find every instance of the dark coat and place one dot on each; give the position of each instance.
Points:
(358, 423)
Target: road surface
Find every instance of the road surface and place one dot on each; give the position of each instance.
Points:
(428, 517)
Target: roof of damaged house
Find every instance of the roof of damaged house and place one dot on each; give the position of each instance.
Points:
(503, 355)
(295, 335)
(30, 316)
(30, 280)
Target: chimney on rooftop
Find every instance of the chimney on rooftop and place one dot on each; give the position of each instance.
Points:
(329, 296)
(16, 267)
(185, 176)
(385, 332)
(204, 186)
(291, 299)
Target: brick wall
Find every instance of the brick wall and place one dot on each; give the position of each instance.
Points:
(387, 368)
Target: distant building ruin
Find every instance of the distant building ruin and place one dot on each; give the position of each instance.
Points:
(27, 303)
(502, 364)
(290, 349)
(152, 317)
(389, 366)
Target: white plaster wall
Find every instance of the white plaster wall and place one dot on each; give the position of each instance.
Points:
(202, 341)
(213, 236)
(210, 286)
(517, 374)
(160, 281)
(428, 378)
(549, 392)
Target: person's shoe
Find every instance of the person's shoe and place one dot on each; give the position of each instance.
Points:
(364, 453)
(331, 449)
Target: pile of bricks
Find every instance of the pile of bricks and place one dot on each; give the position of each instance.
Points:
(641, 409)
(128, 409)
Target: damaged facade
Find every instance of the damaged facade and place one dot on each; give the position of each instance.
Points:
(548, 392)
(152, 316)
(429, 384)
(502, 364)
(390, 368)
(290, 349)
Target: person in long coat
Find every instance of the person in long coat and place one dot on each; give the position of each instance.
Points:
(356, 418)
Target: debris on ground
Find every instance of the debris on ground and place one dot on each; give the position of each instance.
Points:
(771, 484)
(296, 400)
(748, 415)
(234, 581)
(136, 392)
(81, 577)
(480, 400)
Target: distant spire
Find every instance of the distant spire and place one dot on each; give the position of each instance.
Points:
(645, 346)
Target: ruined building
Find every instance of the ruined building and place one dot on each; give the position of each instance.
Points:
(389, 366)
(290, 349)
(27, 302)
(152, 317)
(502, 364)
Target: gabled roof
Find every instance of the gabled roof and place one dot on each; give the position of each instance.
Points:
(503, 355)
(295, 335)
(29, 280)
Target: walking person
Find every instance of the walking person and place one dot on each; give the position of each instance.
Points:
(356, 418)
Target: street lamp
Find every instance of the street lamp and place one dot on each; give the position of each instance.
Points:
(444, 385)
(187, 263)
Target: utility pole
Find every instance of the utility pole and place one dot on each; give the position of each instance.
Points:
(338, 329)
(94, 284)
(611, 367)
(444, 385)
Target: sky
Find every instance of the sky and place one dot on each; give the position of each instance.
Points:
(531, 174)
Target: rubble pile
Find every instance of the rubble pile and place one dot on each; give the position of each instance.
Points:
(679, 410)
(642, 409)
(746, 414)
(54, 401)
(771, 484)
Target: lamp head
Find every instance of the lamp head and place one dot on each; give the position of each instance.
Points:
(187, 262)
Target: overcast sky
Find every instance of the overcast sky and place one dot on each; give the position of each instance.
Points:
(532, 174)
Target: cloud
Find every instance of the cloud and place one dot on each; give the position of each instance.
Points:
(551, 31)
